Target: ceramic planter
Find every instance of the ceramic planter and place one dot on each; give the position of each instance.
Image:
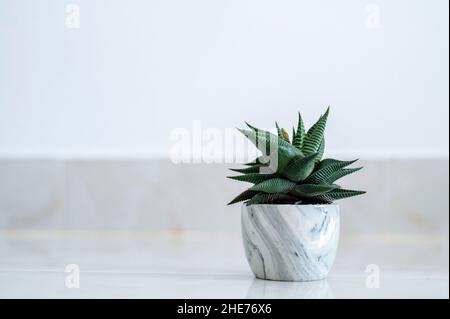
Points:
(290, 242)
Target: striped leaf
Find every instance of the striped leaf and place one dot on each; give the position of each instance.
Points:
(280, 134)
(248, 170)
(243, 196)
(274, 185)
(311, 190)
(341, 173)
(320, 151)
(315, 135)
(326, 169)
(299, 136)
(265, 139)
(339, 194)
(299, 168)
(269, 143)
(253, 178)
(330, 161)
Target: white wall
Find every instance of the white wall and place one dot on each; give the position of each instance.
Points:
(134, 70)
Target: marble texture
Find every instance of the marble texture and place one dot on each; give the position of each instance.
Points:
(290, 242)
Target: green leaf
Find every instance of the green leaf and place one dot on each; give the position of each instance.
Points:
(340, 194)
(315, 135)
(252, 178)
(257, 199)
(251, 169)
(260, 137)
(326, 169)
(264, 139)
(267, 142)
(258, 161)
(299, 136)
(331, 161)
(243, 196)
(263, 198)
(251, 126)
(280, 134)
(299, 168)
(310, 190)
(341, 173)
(320, 151)
(274, 185)
(301, 175)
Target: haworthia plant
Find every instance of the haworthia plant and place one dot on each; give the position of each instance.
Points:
(300, 176)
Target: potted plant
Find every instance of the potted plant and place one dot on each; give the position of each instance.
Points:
(290, 226)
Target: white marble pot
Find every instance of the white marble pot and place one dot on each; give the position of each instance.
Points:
(290, 242)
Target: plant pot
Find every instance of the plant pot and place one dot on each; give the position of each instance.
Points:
(290, 242)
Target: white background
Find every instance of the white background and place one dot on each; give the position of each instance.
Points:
(136, 69)
(131, 73)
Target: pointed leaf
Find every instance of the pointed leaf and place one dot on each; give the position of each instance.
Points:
(315, 135)
(311, 190)
(330, 161)
(269, 143)
(299, 136)
(253, 178)
(247, 170)
(274, 185)
(320, 151)
(280, 134)
(340, 194)
(341, 173)
(299, 168)
(327, 168)
(251, 126)
(243, 196)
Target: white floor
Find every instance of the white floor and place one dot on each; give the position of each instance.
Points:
(143, 265)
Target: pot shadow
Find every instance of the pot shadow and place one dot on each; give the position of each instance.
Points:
(266, 289)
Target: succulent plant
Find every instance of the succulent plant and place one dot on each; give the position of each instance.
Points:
(300, 175)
